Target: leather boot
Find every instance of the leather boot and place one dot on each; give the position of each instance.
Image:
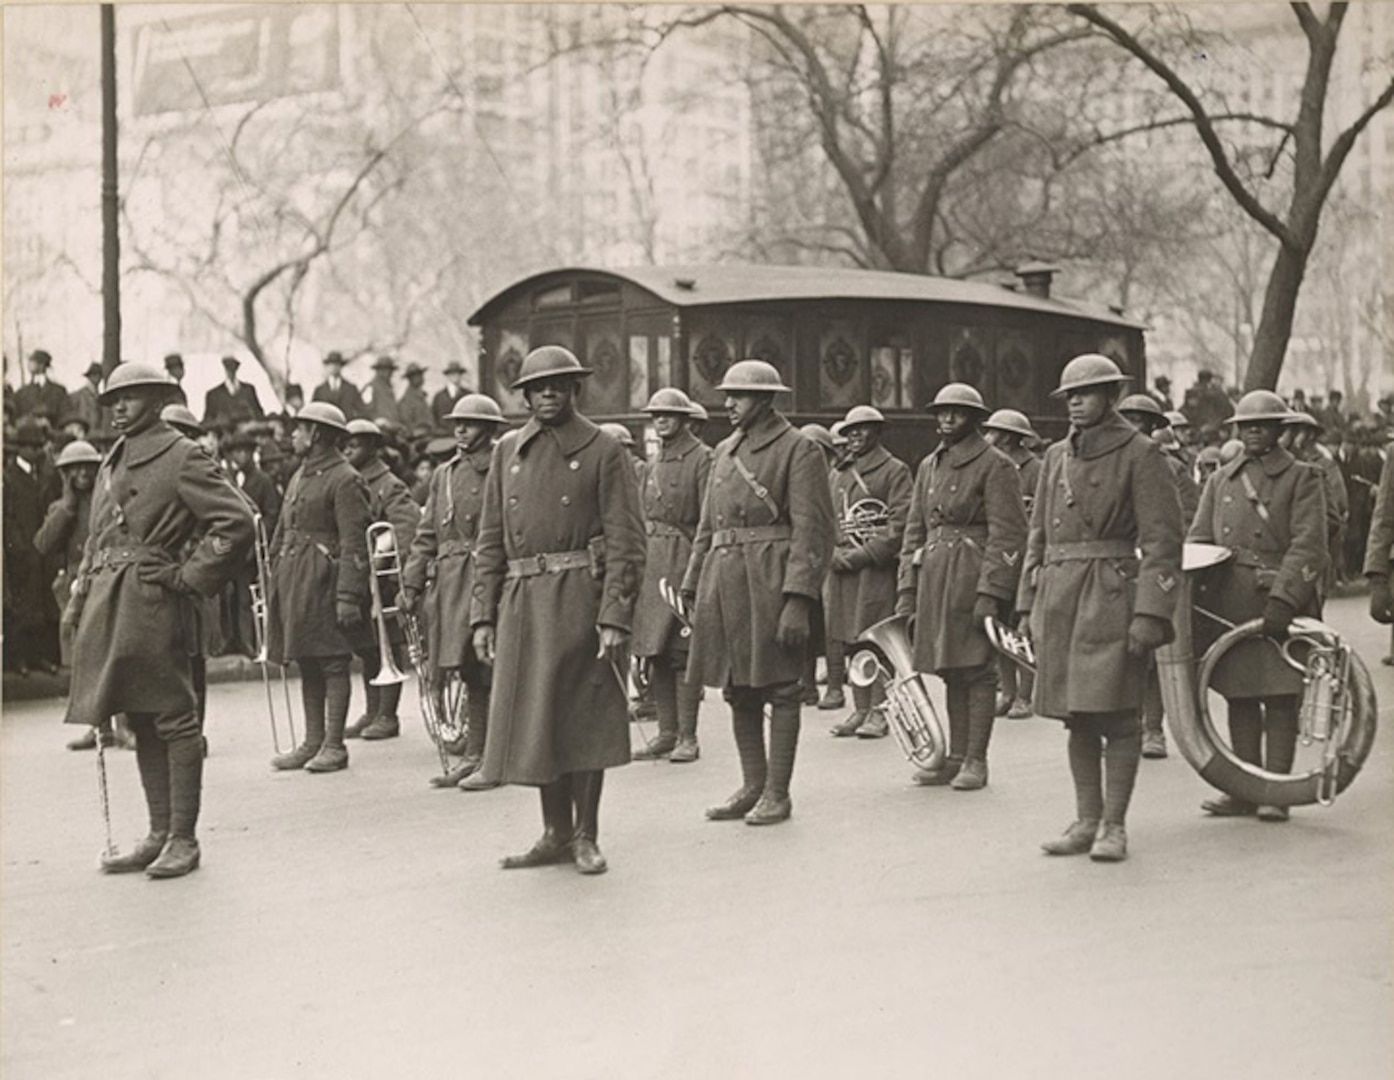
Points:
(152, 759)
(585, 792)
(181, 851)
(664, 682)
(748, 725)
(981, 717)
(86, 741)
(1076, 840)
(554, 846)
(940, 777)
(775, 805)
(312, 698)
(333, 755)
(384, 726)
(1111, 845)
(689, 698)
(452, 777)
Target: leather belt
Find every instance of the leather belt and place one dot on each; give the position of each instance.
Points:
(1088, 550)
(662, 528)
(754, 534)
(450, 548)
(127, 554)
(550, 562)
(1261, 560)
(954, 532)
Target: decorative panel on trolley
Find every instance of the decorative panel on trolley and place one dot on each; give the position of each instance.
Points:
(840, 382)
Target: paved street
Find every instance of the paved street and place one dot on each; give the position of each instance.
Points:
(355, 925)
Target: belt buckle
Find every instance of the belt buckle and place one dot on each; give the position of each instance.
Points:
(542, 564)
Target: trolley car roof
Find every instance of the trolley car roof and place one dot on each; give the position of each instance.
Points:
(703, 286)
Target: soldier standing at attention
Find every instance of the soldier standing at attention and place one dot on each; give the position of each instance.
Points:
(558, 562)
(758, 562)
(1268, 509)
(671, 494)
(439, 577)
(154, 491)
(389, 500)
(317, 607)
(871, 498)
(959, 565)
(1096, 609)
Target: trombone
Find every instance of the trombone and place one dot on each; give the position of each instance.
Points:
(260, 617)
(385, 565)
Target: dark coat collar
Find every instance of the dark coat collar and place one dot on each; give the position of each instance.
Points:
(147, 445)
(1274, 463)
(961, 453)
(869, 462)
(571, 436)
(375, 470)
(680, 447)
(771, 426)
(321, 458)
(1103, 438)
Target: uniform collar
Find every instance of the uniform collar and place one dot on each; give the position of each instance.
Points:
(480, 458)
(571, 436)
(1021, 456)
(770, 427)
(679, 448)
(1274, 463)
(149, 444)
(375, 470)
(870, 461)
(962, 452)
(1105, 437)
(322, 457)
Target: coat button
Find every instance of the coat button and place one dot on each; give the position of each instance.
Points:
(514, 468)
(513, 500)
(566, 500)
(573, 464)
(1226, 530)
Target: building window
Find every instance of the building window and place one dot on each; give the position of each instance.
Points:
(639, 390)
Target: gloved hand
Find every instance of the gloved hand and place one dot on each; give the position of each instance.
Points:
(614, 644)
(985, 607)
(483, 643)
(72, 611)
(1146, 633)
(905, 602)
(409, 600)
(841, 564)
(1381, 602)
(1023, 623)
(348, 614)
(164, 575)
(793, 629)
(1277, 616)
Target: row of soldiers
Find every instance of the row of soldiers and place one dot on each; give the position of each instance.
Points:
(540, 565)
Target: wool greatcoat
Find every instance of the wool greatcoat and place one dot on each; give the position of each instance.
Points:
(754, 548)
(671, 494)
(441, 563)
(1379, 550)
(154, 491)
(553, 496)
(1104, 545)
(964, 537)
(1279, 552)
(864, 593)
(1028, 468)
(319, 556)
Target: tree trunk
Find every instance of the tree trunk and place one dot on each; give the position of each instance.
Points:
(1275, 324)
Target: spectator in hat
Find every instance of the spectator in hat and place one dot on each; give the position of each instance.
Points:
(379, 396)
(174, 368)
(1161, 392)
(338, 391)
(231, 402)
(40, 396)
(444, 401)
(295, 399)
(30, 614)
(413, 409)
(82, 405)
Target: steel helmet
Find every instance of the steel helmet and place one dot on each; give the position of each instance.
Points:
(618, 432)
(1260, 405)
(862, 414)
(669, 400)
(835, 430)
(1304, 419)
(131, 374)
(477, 407)
(817, 433)
(78, 452)
(321, 412)
(181, 417)
(546, 361)
(1178, 419)
(364, 427)
(751, 376)
(1012, 421)
(699, 412)
(1147, 406)
(957, 395)
(1090, 369)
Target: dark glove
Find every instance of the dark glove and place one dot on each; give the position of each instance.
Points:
(1277, 615)
(408, 601)
(348, 614)
(984, 607)
(905, 601)
(841, 564)
(164, 575)
(1381, 602)
(1146, 633)
(792, 631)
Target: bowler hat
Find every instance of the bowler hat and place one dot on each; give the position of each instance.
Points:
(40, 357)
(384, 363)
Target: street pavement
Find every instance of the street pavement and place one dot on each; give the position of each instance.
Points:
(356, 924)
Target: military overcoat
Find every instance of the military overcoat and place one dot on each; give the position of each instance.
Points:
(1271, 514)
(864, 592)
(560, 553)
(752, 549)
(1104, 544)
(155, 491)
(441, 563)
(670, 494)
(965, 536)
(1379, 551)
(1028, 469)
(319, 556)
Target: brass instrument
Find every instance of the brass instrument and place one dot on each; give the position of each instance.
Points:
(260, 627)
(913, 718)
(1338, 703)
(865, 520)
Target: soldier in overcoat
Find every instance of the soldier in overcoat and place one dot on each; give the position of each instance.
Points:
(758, 563)
(1098, 591)
(1301, 431)
(871, 498)
(132, 605)
(819, 643)
(1268, 509)
(557, 568)
(1379, 548)
(31, 617)
(1010, 431)
(317, 602)
(671, 492)
(389, 500)
(959, 564)
(438, 580)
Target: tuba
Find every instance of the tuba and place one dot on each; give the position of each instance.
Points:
(1337, 710)
(911, 713)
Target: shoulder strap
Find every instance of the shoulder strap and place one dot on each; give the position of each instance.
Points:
(761, 492)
